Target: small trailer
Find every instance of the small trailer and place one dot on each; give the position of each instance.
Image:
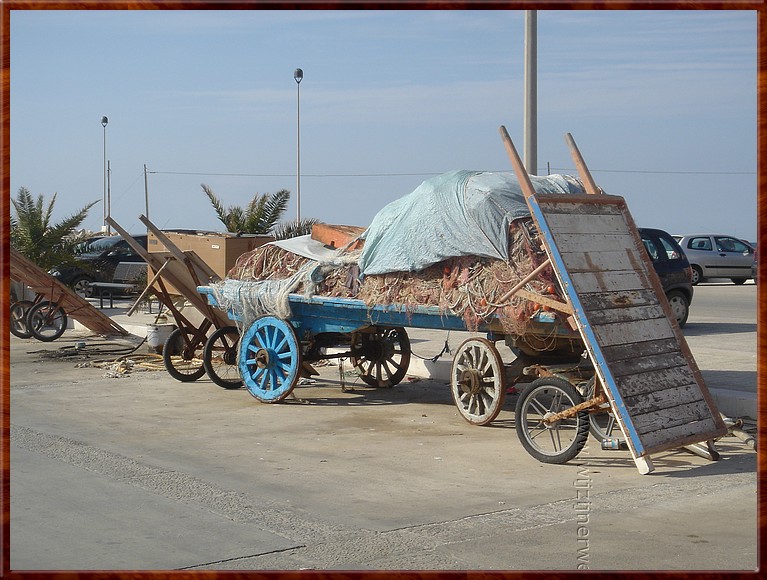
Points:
(637, 372)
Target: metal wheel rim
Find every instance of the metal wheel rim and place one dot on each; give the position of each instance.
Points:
(540, 403)
(220, 357)
(477, 381)
(46, 321)
(187, 364)
(18, 322)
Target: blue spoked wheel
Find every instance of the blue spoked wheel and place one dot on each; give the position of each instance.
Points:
(270, 359)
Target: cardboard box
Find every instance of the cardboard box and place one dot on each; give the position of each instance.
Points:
(218, 250)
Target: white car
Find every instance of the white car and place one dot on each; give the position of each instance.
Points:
(717, 256)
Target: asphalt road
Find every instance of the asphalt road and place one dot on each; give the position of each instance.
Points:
(134, 470)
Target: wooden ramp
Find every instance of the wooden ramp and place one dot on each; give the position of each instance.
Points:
(655, 388)
(29, 273)
(639, 353)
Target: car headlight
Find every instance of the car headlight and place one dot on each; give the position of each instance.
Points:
(54, 272)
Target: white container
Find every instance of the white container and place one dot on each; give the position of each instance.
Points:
(157, 334)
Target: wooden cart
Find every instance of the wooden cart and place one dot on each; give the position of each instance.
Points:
(637, 375)
(53, 304)
(192, 349)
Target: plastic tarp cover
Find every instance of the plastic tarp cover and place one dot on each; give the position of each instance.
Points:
(460, 213)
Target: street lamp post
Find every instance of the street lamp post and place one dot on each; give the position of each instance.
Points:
(298, 75)
(104, 122)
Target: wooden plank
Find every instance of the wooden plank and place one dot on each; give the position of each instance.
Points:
(643, 364)
(573, 243)
(554, 204)
(590, 282)
(575, 223)
(633, 331)
(618, 260)
(632, 313)
(621, 352)
(671, 416)
(618, 299)
(654, 380)
(657, 400)
(679, 435)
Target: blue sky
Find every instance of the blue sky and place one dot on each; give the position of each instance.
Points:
(662, 105)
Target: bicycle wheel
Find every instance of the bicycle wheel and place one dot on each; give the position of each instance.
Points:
(551, 442)
(220, 358)
(19, 311)
(46, 321)
(182, 355)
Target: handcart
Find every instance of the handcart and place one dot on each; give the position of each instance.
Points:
(45, 318)
(192, 349)
(637, 373)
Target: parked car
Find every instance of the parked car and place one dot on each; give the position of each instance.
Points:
(97, 263)
(672, 268)
(717, 256)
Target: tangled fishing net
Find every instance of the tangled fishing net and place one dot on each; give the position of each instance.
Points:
(473, 288)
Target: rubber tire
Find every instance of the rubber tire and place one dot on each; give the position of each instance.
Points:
(581, 428)
(173, 346)
(35, 311)
(18, 319)
(224, 337)
(697, 275)
(677, 299)
(88, 291)
(738, 281)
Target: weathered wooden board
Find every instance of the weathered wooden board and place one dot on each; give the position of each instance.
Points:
(636, 347)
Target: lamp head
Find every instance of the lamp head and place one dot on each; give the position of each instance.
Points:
(104, 121)
(298, 74)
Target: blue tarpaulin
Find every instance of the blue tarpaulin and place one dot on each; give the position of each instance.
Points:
(461, 213)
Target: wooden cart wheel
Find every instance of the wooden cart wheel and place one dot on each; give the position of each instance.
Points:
(477, 381)
(220, 358)
(381, 355)
(46, 321)
(559, 441)
(270, 359)
(18, 323)
(182, 355)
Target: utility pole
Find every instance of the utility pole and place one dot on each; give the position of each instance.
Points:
(531, 92)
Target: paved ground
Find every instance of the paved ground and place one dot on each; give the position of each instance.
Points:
(135, 470)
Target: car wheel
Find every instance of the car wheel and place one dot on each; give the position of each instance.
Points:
(738, 281)
(82, 286)
(680, 306)
(697, 275)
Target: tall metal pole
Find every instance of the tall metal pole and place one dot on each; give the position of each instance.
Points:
(146, 194)
(298, 75)
(104, 122)
(109, 196)
(531, 92)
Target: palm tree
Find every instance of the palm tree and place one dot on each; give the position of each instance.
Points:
(32, 233)
(260, 216)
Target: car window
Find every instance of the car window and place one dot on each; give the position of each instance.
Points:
(699, 243)
(727, 244)
(671, 250)
(651, 248)
(103, 244)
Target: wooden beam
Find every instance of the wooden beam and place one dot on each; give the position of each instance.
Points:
(580, 165)
(517, 165)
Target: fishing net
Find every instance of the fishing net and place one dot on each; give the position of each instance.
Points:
(473, 288)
